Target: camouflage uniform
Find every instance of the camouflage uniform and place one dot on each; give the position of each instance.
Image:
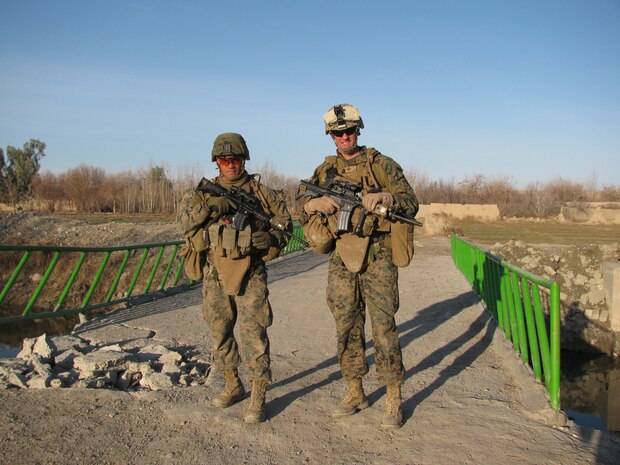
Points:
(250, 306)
(375, 286)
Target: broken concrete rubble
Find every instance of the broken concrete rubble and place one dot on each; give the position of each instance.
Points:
(69, 361)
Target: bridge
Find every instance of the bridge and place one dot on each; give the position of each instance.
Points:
(468, 398)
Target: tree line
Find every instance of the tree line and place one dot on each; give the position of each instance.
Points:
(88, 189)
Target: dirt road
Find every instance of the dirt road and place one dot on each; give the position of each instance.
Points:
(467, 400)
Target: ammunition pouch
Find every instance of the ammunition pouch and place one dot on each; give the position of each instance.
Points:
(401, 239)
(226, 241)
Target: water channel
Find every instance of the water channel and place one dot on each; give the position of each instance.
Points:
(590, 390)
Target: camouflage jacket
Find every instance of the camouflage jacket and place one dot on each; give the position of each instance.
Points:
(194, 213)
(370, 169)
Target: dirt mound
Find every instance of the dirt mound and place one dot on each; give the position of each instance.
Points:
(31, 228)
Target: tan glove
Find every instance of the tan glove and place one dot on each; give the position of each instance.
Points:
(324, 204)
(370, 201)
(262, 239)
(220, 205)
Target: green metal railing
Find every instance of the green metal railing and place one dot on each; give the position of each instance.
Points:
(521, 303)
(293, 244)
(94, 261)
(109, 267)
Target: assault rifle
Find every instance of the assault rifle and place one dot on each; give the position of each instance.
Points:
(245, 206)
(348, 196)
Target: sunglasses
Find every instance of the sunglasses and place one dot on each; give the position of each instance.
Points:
(348, 132)
(229, 161)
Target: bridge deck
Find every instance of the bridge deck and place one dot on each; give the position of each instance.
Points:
(467, 398)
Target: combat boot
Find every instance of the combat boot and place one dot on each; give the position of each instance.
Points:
(353, 401)
(233, 390)
(393, 417)
(255, 413)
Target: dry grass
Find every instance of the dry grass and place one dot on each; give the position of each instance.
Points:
(538, 232)
(102, 218)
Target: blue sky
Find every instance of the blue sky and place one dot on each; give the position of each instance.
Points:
(528, 90)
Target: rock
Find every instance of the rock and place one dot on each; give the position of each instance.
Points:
(127, 380)
(11, 376)
(156, 381)
(56, 383)
(159, 353)
(171, 370)
(69, 377)
(42, 369)
(101, 360)
(65, 342)
(40, 347)
(65, 358)
(39, 382)
(139, 367)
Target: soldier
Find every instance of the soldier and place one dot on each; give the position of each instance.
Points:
(235, 277)
(362, 267)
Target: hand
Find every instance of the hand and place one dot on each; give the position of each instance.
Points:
(370, 201)
(262, 239)
(324, 204)
(220, 205)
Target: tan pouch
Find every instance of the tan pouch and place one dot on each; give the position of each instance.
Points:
(352, 249)
(231, 272)
(318, 235)
(195, 255)
(402, 243)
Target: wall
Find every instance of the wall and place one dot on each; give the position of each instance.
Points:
(592, 212)
(460, 211)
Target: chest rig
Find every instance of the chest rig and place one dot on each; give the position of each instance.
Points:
(358, 172)
(231, 235)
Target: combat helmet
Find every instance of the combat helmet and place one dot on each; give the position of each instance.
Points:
(230, 144)
(341, 117)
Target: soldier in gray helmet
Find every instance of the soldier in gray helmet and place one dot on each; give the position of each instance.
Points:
(235, 278)
(363, 272)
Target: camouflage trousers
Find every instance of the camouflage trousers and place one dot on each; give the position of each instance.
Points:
(251, 311)
(349, 294)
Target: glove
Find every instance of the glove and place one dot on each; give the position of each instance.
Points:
(370, 201)
(325, 205)
(262, 239)
(219, 204)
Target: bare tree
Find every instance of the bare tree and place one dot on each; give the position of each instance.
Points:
(49, 190)
(85, 186)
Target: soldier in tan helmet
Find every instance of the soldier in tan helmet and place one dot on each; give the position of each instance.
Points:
(235, 278)
(363, 274)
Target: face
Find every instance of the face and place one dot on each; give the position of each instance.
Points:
(230, 167)
(346, 141)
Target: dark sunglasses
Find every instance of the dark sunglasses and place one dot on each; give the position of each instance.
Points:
(348, 132)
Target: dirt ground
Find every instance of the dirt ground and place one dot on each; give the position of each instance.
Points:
(465, 401)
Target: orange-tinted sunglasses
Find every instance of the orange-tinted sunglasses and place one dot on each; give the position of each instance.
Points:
(229, 161)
